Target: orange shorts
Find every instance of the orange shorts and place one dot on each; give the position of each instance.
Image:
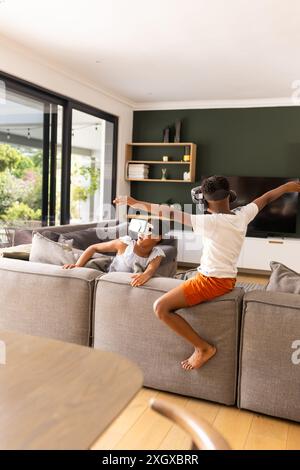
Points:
(201, 288)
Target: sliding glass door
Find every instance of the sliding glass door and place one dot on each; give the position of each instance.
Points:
(28, 133)
(57, 158)
(91, 167)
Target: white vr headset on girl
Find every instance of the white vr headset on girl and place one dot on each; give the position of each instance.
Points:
(140, 226)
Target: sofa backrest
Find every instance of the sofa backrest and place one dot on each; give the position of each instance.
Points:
(24, 235)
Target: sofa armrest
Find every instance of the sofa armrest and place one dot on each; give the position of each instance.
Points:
(46, 300)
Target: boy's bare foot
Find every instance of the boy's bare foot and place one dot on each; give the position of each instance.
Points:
(199, 358)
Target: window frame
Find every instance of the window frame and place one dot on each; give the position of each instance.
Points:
(49, 151)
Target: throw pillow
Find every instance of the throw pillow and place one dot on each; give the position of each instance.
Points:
(54, 236)
(22, 236)
(17, 252)
(283, 279)
(101, 263)
(47, 251)
(82, 239)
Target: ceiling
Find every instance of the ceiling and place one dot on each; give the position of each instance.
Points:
(165, 50)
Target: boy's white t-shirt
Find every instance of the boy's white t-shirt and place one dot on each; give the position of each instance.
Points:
(223, 236)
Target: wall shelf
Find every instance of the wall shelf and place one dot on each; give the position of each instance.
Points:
(189, 166)
(148, 216)
(157, 180)
(160, 144)
(153, 162)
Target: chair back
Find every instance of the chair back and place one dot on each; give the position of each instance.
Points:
(203, 435)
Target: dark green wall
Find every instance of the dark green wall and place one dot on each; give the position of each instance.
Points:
(244, 142)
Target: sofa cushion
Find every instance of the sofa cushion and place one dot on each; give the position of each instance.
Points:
(46, 251)
(46, 300)
(125, 323)
(283, 279)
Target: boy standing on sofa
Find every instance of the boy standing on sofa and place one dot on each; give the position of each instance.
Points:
(223, 232)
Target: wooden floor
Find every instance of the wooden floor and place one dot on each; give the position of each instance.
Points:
(138, 427)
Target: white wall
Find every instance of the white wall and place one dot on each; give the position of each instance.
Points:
(21, 63)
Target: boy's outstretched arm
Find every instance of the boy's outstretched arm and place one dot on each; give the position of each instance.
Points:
(270, 196)
(159, 210)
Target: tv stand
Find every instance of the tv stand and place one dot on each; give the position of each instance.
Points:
(273, 237)
(257, 253)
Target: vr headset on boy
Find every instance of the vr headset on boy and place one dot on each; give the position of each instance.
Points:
(199, 197)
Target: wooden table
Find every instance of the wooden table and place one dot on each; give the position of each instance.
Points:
(56, 395)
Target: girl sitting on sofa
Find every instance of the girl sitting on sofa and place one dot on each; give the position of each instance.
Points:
(141, 257)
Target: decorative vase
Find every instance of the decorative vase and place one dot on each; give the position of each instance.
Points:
(177, 131)
(164, 174)
(186, 156)
(166, 135)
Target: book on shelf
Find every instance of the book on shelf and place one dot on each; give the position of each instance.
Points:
(138, 176)
(138, 171)
(146, 165)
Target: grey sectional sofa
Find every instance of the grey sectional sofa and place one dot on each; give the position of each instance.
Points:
(254, 332)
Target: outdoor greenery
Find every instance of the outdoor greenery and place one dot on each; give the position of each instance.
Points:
(20, 184)
(85, 182)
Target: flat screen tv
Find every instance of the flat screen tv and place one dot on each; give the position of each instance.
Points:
(278, 217)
